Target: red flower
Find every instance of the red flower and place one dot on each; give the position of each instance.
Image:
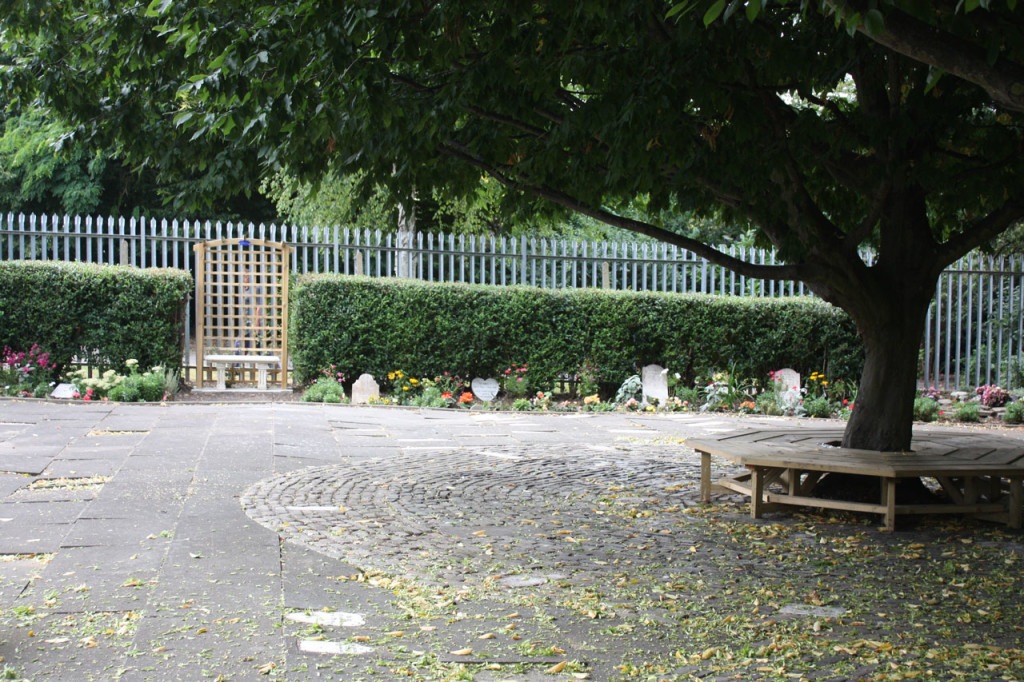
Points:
(446, 395)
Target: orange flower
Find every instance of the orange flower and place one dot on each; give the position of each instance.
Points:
(466, 397)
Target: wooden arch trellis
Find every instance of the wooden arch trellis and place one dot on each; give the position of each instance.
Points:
(242, 305)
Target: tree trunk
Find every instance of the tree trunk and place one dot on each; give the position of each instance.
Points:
(883, 415)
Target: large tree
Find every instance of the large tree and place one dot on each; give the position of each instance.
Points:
(828, 141)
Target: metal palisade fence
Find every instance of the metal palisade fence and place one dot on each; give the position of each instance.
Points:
(974, 334)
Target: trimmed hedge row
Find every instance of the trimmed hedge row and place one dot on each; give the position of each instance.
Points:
(378, 326)
(107, 314)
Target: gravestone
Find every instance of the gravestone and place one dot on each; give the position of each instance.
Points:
(655, 383)
(787, 382)
(485, 389)
(364, 389)
(64, 391)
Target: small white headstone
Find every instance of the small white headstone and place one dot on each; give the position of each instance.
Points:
(787, 382)
(485, 389)
(655, 383)
(64, 391)
(364, 389)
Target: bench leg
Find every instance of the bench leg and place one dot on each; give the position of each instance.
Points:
(757, 476)
(261, 377)
(1013, 517)
(222, 379)
(889, 500)
(705, 477)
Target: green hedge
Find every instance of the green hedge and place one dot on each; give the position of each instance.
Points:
(380, 325)
(107, 314)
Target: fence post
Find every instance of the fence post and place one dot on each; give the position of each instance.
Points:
(522, 257)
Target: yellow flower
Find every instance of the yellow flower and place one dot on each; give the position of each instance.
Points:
(391, 376)
(405, 388)
(414, 381)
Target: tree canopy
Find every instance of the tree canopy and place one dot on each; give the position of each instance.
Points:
(826, 140)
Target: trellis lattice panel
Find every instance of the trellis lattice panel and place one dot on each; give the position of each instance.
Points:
(242, 303)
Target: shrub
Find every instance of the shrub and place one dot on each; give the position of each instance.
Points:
(925, 410)
(1014, 413)
(992, 396)
(324, 390)
(819, 407)
(102, 314)
(968, 412)
(134, 388)
(631, 389)
(430, 397)
(767, 403)
(374, 325)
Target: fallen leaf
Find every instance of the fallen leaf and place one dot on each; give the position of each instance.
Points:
(462, 652)
(556, 668)
(489, 635)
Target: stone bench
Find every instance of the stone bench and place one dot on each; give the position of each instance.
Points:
(222, 362)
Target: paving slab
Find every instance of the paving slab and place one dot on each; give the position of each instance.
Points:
(25, 462)
(12, 482)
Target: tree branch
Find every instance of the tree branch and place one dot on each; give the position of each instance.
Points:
(902, 33)
(769, 272)
(982, 231)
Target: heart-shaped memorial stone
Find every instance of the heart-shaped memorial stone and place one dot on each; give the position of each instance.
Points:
(485, 389)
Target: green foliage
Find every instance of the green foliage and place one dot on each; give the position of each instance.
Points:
(149, 386)
(34, 176)
(925, 410)
(373, 325)
(1014, 413)
(431, 397)
(104, 315)
(968, 412)
(324, 390)
(522, 405)
(767, 403)
(819, 406)
(632, 388)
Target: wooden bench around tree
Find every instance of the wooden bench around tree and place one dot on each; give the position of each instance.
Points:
(982, 475)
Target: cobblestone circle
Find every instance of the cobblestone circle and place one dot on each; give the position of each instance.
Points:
(559, 508)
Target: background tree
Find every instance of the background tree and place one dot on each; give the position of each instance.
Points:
(585, 105)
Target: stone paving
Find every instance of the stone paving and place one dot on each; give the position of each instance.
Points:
(155, 571)
(298, 541)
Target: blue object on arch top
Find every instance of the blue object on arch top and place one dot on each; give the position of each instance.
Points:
(244, 242)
